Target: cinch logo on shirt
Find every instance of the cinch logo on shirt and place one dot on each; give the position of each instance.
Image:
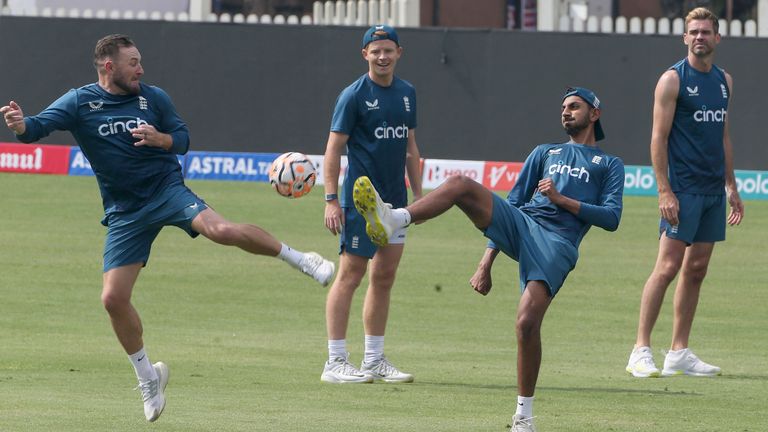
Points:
(112, 127)
(561, 168)
(389, 132)
(706, 116)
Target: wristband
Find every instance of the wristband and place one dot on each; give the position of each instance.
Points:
(331, 197)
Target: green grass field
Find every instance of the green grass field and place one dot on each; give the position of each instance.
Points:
(245, 336)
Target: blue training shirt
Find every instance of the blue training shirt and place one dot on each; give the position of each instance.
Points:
(584, 173)
(377, 120)
(128, 176)
(695, 148)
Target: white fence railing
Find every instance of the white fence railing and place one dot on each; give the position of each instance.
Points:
(556, 15)
(153, 15)
(635, 25)
(400, 13)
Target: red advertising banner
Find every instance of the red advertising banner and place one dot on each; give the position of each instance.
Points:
(34, 158)
(501, 176)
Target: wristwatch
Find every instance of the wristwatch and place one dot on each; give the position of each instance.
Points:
(331, 197)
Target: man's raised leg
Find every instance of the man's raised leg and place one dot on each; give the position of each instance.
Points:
(258, 241)
(471, 197)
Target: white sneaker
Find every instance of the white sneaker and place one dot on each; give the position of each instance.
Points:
(341, 371)
(319, 268)
(378, 215)
(153, 392)
(685, 362)
(522, 424)
(383, 370)
(641, 363)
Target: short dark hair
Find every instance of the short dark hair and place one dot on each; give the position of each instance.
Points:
(701, 13)
(109, 46)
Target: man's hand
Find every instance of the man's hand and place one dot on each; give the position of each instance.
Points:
(737, 207)
(481, 280)
(14, 118)
(334, 217)
(548, 189)
(669, 207)
(151, 137)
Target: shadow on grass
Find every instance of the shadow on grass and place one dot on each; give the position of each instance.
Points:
(742, 377)
(608, 390)
(664, 392)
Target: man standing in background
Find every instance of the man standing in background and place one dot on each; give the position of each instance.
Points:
(375, 119)
(692, 158)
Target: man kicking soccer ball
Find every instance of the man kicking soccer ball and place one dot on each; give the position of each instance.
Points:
(563, 189)
(131, 134)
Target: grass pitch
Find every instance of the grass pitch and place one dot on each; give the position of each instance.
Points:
(245, 336)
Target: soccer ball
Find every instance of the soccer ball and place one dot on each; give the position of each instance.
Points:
(292, 175)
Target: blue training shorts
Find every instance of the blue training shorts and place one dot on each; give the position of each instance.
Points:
(543, 255)
(354, 239)
(130, 234)
(701, 219)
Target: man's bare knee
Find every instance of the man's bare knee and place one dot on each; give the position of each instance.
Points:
(113, 302)
(461, 184)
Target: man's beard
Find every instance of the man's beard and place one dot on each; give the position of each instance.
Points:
(575, 127)
(125, 86)
(702, 53)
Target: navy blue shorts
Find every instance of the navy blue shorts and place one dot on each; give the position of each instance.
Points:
(354, 239)
(701, 219)
(130, 234)
(542, 254)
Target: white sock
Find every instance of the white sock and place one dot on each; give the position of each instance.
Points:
(677, 353)
(337, 349)
(290, 255)
(374, 348)
(402, 217)
(524, 406)
(142, 366)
